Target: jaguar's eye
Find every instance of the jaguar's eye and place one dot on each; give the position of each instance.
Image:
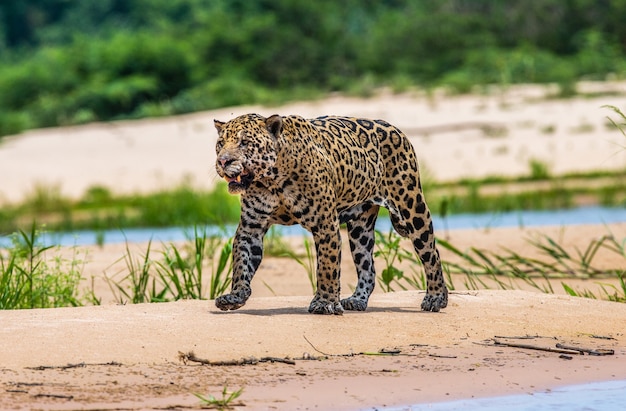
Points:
(243, 143)
(219, 145)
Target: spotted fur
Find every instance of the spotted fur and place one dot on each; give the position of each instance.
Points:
(320, 173)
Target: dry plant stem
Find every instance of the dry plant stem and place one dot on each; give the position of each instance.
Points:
(590, 351)
(442, 356)
(519, 337)
(56, 396)
(191, 357)
(70, 366)
(328, 355)
(382, 351)
(535, 347)
(602, 337)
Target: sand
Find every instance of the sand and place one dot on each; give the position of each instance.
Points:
(117, 356)
(442, 355)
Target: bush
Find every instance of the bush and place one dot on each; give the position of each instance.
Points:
(598, 56)
(525, 64)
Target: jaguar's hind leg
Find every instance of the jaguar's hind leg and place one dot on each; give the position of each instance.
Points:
(417, 225)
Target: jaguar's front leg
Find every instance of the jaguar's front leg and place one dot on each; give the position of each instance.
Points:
(328, 247)
(247, 255)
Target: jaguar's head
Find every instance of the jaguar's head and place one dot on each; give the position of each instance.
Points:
(246, 149)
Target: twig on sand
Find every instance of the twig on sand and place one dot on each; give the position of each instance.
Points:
(57, 396)
(442, 356)
(69, 366)
(560, 348)
(191, 357)
(326, 354)
(602, 337)
(382, 351)
(518, 337)
(535, 347)
(321, 352)
(390, 351)
(590, 351)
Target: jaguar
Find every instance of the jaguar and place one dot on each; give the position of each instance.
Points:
(322, 173)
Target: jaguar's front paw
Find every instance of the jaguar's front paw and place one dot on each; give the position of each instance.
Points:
(229, 302)
(321, 306)
(435, 302)
(354, 304)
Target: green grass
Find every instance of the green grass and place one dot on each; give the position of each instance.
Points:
(226, 401)
(182, 270)
(138, 285)
(201, 268)
(621, 125)
(388, 248)
(177, 273)
(30, 278)
(306, 261)
(504, 266)
(507, 269)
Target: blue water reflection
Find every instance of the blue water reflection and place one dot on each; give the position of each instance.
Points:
(598, 396)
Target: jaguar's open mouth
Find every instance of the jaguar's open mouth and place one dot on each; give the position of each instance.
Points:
(239, 183)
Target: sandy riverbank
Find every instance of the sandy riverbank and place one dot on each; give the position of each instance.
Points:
(131, 352)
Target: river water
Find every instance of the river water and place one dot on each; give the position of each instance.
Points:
(597, 396)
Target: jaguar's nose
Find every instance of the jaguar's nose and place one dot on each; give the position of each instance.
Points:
(225, 161)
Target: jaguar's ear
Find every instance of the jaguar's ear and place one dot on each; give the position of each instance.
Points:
(274, 125)
(218, 125)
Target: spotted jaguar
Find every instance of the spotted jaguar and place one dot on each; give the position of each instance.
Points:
(321, 173)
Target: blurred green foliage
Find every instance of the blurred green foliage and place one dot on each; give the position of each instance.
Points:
(68, 62)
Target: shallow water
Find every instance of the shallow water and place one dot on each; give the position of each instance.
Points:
(597, 396)
(583, 215)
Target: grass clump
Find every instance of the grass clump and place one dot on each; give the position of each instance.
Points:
(28, 279)
(506, 269)
(539, 170)
(553, 262)
(178, 273)
(226, 401)
(181, 270)
(388, 248)
(138, 286)
(621, 126)
(308, 262)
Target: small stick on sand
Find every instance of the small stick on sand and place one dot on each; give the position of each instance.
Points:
(327, 355)
(535, 347)
(70, 366)
(57, 396)
(590, 351)
(190, 356)
(517, 337)
(442, 356)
